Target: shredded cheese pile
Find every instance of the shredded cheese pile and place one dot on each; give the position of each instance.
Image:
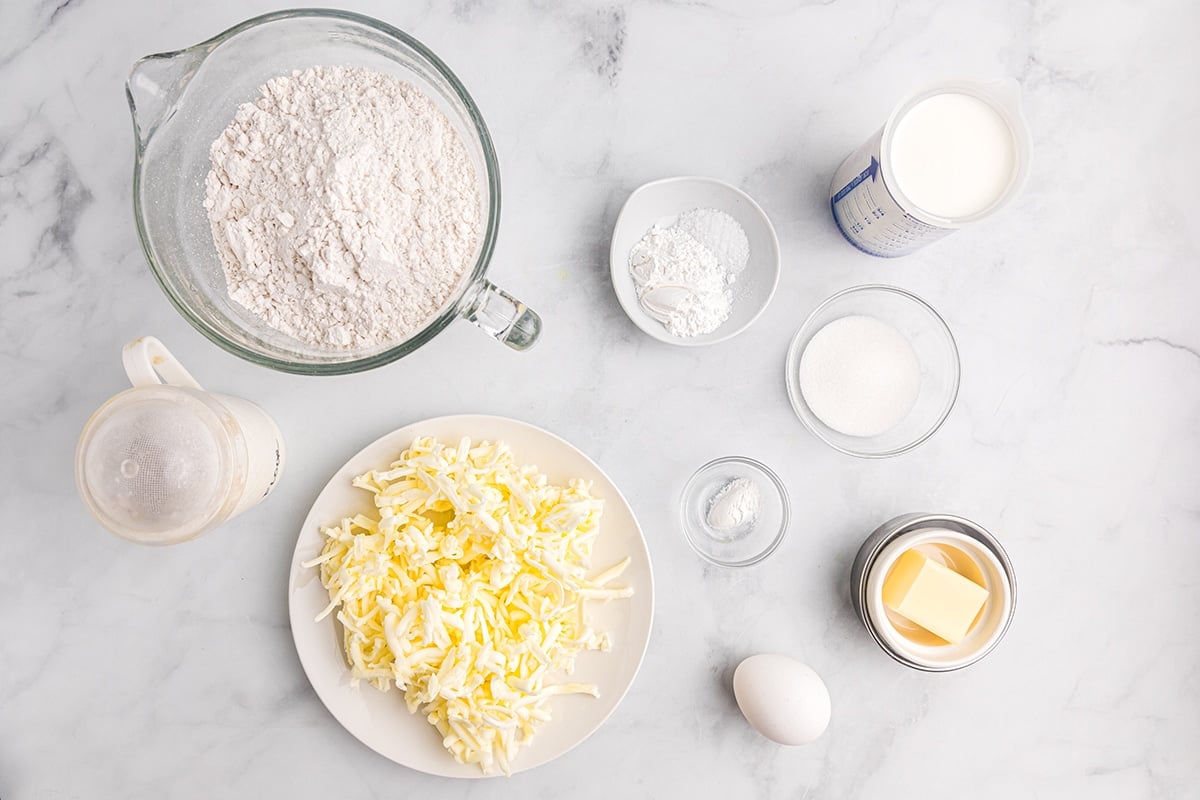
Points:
(467, 592)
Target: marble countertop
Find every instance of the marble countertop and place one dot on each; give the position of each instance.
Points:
(128, 672)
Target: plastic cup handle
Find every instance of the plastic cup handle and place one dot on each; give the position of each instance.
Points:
(148, 362)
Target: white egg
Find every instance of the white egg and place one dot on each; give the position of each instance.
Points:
(781, 698)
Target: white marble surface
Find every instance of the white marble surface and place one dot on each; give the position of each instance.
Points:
(129, 672)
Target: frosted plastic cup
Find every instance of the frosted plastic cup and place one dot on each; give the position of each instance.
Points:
(166, 461)
(868, 201)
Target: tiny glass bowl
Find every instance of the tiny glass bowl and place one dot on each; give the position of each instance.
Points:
(932, 343)
(750, 542)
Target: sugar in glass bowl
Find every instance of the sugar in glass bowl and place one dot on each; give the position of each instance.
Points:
(936, 355)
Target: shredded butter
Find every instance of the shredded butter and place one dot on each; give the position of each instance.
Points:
(466, 589)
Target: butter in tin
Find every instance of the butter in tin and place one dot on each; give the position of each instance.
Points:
(884, 546)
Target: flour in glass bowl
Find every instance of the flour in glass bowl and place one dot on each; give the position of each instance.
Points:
(344, 207)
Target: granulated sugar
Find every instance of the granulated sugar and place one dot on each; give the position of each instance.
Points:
(344, 207)
(860, 376)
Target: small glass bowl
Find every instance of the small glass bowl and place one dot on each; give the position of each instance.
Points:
(749, 544)
(935, 350)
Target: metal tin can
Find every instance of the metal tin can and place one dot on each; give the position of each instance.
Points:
(865, 198)
(872, 561)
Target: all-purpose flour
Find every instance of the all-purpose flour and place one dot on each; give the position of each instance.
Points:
(344, 207)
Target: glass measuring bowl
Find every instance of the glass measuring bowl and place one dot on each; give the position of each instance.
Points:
(181, 101)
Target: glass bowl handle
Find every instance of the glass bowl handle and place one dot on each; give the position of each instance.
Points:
(503, 316)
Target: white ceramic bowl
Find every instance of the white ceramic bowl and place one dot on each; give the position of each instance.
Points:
(382, 721)
(660, 203)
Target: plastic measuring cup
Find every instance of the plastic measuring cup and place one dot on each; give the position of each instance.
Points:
(166, 461)
(868, 200)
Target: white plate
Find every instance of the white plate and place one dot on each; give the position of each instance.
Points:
(660, 203)
(381, 720)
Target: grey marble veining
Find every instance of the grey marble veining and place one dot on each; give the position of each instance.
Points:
(129, 673)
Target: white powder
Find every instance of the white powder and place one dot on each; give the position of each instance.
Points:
(735, 505)
(860, 376)
(721, 234)
(680, 282)
(684, 273)
(344, 207)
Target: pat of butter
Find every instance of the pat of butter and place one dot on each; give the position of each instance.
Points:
(933, 596)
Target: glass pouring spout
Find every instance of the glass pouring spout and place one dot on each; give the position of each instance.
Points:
(155, 86)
